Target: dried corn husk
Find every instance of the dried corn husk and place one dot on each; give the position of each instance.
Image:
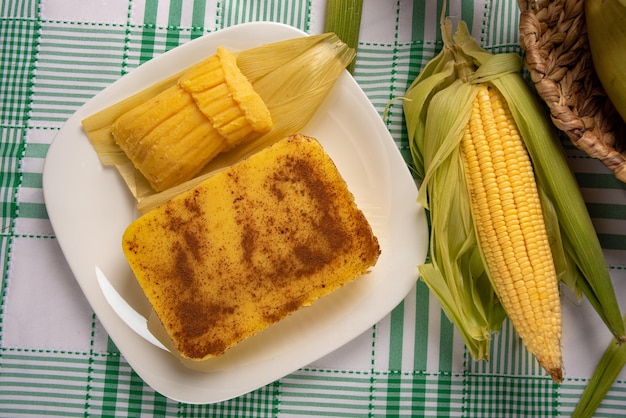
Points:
(292, 77)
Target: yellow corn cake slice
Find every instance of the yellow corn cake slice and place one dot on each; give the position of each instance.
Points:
(249, 246)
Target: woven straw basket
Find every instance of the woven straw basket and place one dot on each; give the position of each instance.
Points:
(553, 35)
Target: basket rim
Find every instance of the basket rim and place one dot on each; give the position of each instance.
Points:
(553, 38)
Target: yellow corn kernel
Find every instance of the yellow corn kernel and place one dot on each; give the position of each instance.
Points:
(510, 227)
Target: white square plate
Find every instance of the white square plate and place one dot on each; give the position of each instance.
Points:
(90, 207)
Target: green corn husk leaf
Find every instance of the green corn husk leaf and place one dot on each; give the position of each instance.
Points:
(564, 265)
(293, 77)
(456, 273)
(437, 74)
(414, 104)
(343, 17)
(608, 368)
(559, 184)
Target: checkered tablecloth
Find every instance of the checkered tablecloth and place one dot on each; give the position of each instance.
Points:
(57, 360)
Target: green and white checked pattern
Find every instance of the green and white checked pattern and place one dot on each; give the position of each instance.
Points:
(55, 357)
(73, 64)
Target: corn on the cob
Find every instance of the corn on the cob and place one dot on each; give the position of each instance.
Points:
(461, 272)
(510, 227)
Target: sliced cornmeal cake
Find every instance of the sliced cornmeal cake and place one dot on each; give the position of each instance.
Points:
(248, 246)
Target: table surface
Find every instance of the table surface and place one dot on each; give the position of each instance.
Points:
(55, 355)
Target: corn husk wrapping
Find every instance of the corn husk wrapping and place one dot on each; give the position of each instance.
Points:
(437, 107)
(292, 77)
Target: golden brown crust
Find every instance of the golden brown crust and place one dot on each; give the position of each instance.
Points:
(249, 246)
